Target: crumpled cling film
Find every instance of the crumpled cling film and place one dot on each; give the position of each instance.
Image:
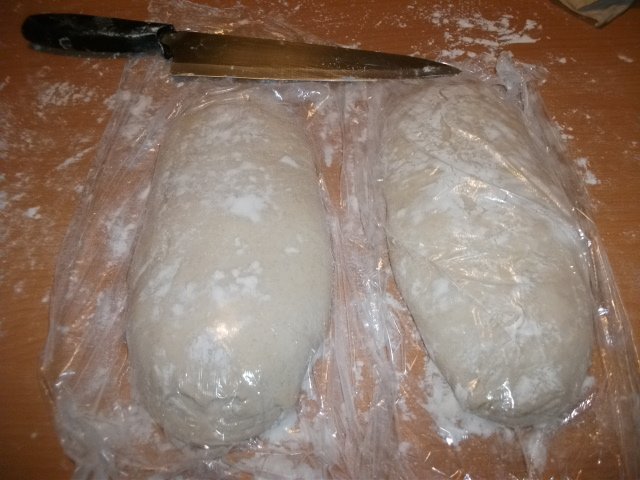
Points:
(373, 404)
(104, 426)
(591, 441)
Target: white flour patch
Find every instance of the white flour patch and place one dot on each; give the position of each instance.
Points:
(249, 206)
(564, 131)
(122, 239)
(287, 160)
(454, 424)
(590, 178)
(283, 429)
(625, 58)
(328, 154)
(32, 213)
(18, 288)
(404, 448)
(62, 94)
(138, 109)
(405, 410)
(587, 175)
(74, 158)
(470, 34)
(42, 142)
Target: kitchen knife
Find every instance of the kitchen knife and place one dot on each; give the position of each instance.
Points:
(217, 55)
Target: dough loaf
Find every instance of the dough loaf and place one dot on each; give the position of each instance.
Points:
(486, 253)
(231, 278)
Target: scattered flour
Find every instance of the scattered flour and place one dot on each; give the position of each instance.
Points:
(404, 447)
(248, 206)
(560, 60)
(138, 112)
(284, 429)
(18, 288)
(5, 82)
(287, 160)
(62, 94)
(564, 131)
(534, 447)
(287, 435)
(32, 213)
(454, 424)
(471, 34)
(121, 237)
(468, 36)
(625, 58)
(37, 188)
(588, 176)
(73, 159)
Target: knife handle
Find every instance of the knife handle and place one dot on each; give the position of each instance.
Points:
(88, 33)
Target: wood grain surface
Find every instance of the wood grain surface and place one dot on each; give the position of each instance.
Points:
(54, 109)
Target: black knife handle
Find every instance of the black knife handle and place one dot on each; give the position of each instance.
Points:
(88, 33)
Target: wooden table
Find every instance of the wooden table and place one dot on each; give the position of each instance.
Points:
(53, 111)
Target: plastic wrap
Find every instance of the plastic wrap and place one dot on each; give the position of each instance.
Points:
(103, 423)
(596, 434)
(372, 403)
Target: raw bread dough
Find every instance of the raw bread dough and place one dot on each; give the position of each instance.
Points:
(486, 253)
(231, 278)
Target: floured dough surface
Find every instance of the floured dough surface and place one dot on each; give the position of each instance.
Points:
(486, 254)
(231, 277)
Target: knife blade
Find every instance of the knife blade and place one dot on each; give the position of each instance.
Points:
(221, 55)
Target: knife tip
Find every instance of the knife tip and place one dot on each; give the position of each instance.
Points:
(439, 69)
